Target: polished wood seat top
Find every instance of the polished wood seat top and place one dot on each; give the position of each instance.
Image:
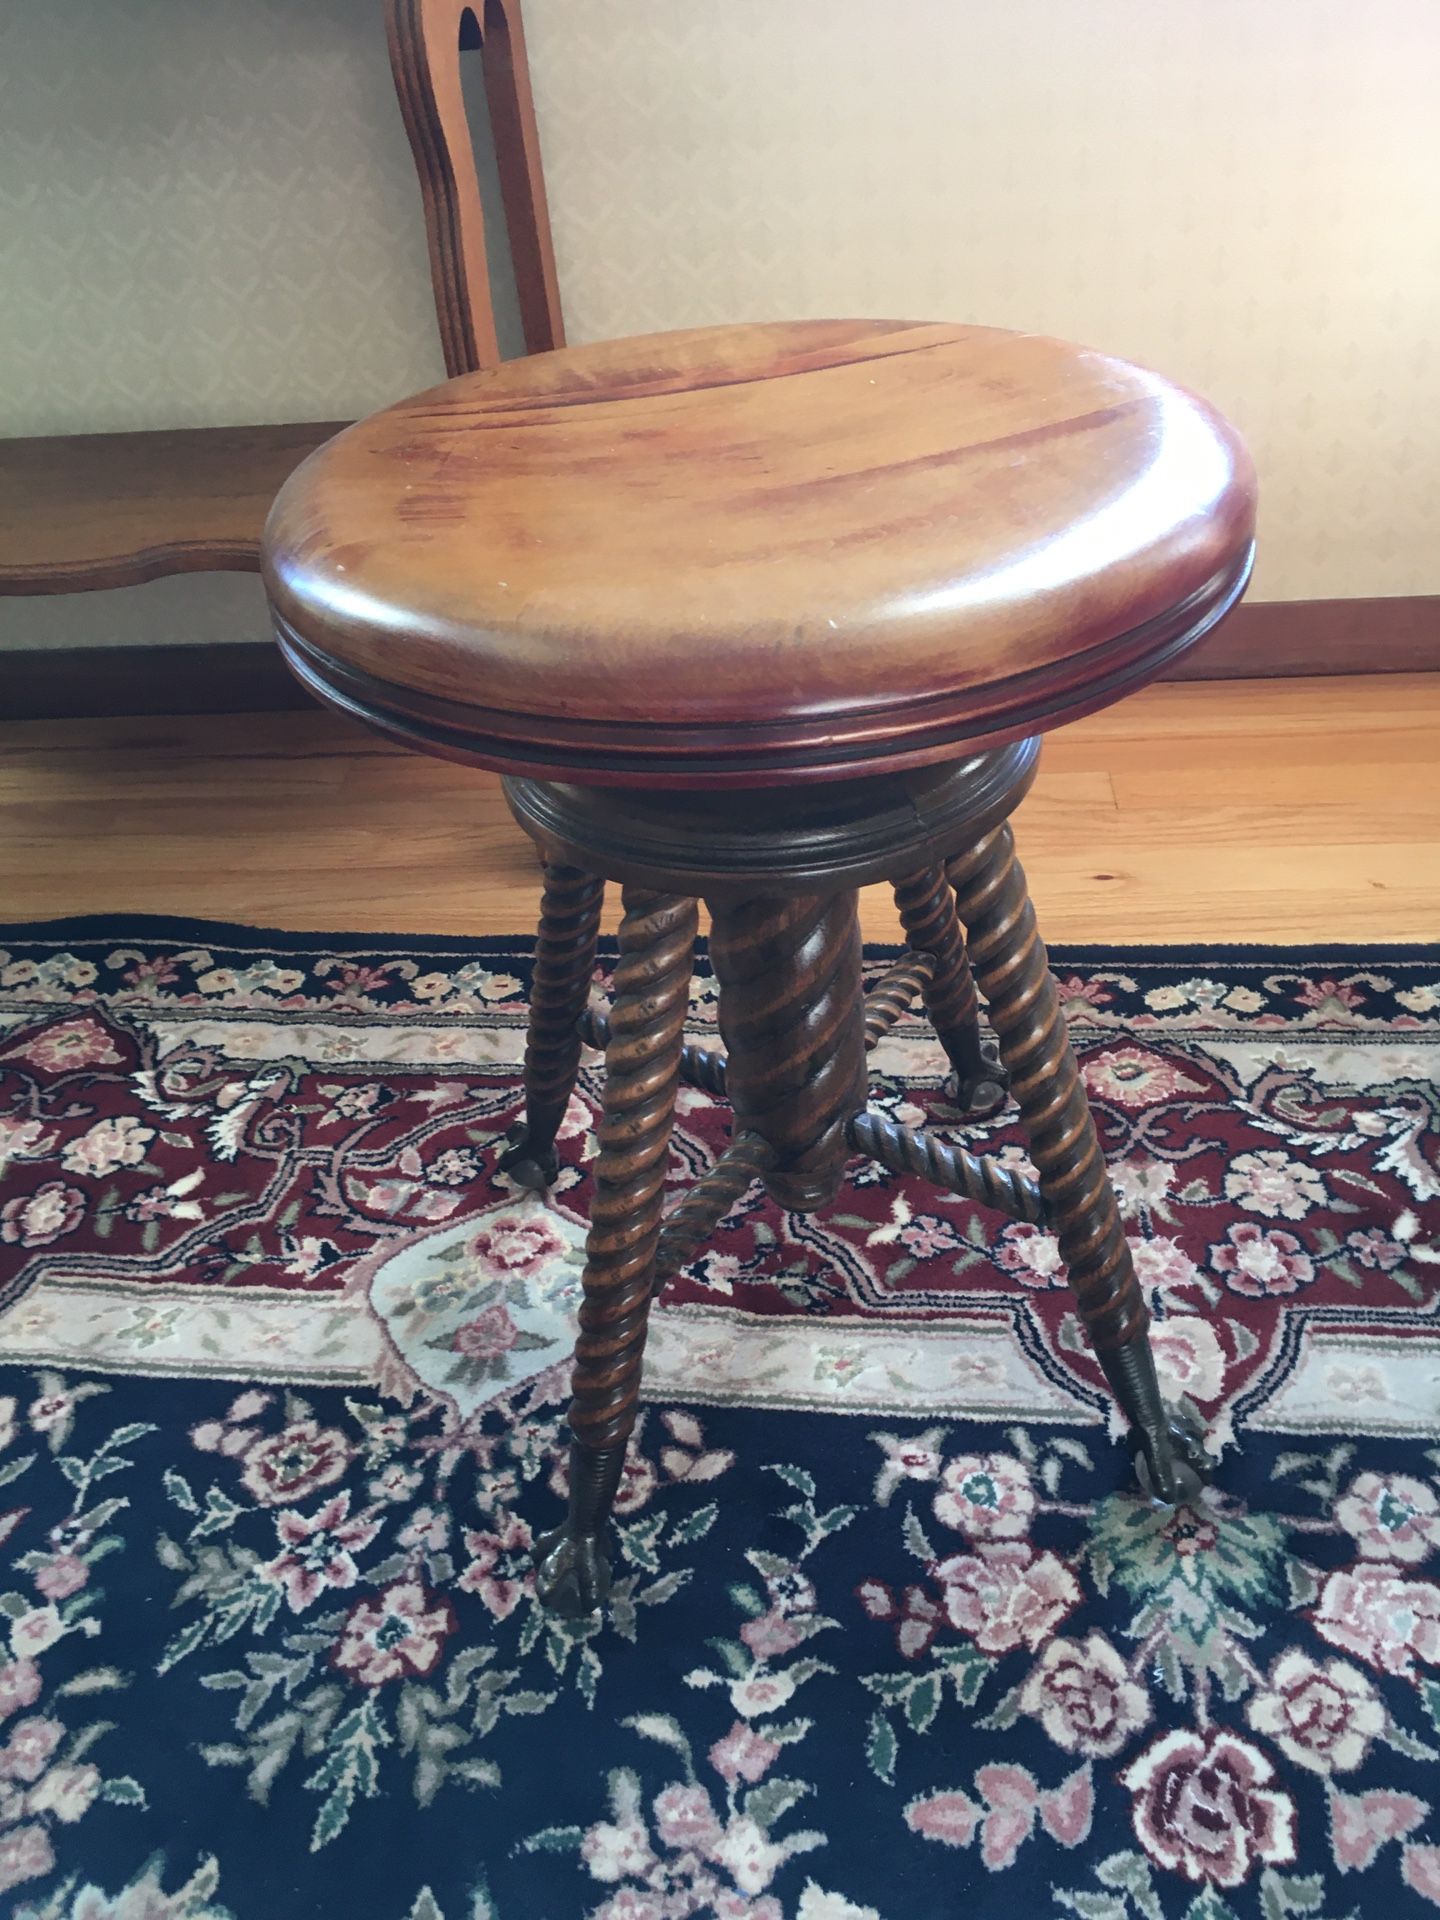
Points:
(756, 554)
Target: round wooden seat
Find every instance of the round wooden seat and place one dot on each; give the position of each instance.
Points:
(758, 555)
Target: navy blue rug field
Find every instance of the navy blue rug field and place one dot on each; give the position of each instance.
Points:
(282, 1403)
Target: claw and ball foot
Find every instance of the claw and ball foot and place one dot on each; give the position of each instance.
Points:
(1171, 1461)
(572, 1567)
(982, 1086)
(534, 1167)
(572, 1573)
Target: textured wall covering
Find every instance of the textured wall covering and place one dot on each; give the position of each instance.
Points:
(207, 211)
(1241, 192)
(207, 214)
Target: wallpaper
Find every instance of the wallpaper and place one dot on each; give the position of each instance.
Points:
(207, 211)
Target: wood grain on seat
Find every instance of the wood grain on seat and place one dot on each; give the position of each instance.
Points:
(760, 553)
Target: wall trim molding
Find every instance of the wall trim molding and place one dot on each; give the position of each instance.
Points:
(1261, 640)
(1283, 639)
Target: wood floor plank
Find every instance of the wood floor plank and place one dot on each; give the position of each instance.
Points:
(1229, 810)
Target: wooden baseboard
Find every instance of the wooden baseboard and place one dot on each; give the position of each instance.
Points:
(1262, 640)
(71, 683)
(1280, 639)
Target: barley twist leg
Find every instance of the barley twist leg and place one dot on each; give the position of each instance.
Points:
(927, 912)
(560, 989)
(1013, 972)
(792, 1015)
(642, 1071)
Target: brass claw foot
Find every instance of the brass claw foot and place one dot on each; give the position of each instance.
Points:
(1171, 1461)
(572, 1574)
(534, 1168)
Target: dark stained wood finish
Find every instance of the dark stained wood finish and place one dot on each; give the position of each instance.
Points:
(522, 180)
(926, 905)
(885, 1004)
(425, 39)
(760, 554)
(796, 1026)
(559, 993)
(1014, 975)
(839, 833)
(699, 1066)
(979, 1177)
(69, 683)
(94, 510)
(792, 1016)
(891, 997)
(642, 1074)
(1011, 966)
(692, 1220)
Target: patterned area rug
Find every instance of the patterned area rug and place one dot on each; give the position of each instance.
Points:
(284, 1378)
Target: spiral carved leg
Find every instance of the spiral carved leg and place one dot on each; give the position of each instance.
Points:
(564, 963)
(888, 1001)
(692, 1221)
(792, 1014)
(981, 1179)
(927, 912)
(1011, 966)
(642, 1071)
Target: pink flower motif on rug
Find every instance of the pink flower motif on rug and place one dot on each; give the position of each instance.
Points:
(1260, 1263)
(499, 1569)
(1082, 1694)
(1031, 1254)
(110, 1144)
(987, 1496)
(1006, 1595)
(1204, 1807)
(400, 1632)
(296, 1461)
(491, 1333)
(1135, 1077)
(37, 1219)
(516, 1244)
(67, 1046)
(318, 1551)
(1162, 1264)
(1272, 1183)
(1322, 1716)
(1391, 1517)
(1188, 1356)
(1372, 1612)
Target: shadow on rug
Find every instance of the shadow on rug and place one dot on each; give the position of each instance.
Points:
(283, 1397)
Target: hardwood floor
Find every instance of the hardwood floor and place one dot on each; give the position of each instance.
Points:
(1284, 810)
